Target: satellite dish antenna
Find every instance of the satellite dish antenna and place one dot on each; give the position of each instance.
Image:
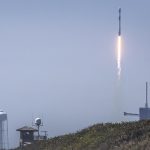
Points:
(38, 123)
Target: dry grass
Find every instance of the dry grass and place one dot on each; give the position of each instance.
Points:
(119, 136)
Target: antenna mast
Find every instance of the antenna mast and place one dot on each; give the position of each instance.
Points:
(146, 104)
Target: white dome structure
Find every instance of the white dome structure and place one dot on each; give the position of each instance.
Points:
(3, 115)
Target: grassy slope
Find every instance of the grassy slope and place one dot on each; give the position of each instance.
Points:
(131, 135)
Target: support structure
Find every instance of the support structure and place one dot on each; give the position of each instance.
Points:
(144, 112)
(130, 114)
(146, 104)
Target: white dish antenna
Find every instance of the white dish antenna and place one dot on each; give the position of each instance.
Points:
(38, 121)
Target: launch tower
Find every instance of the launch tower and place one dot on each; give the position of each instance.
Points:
(144, 112)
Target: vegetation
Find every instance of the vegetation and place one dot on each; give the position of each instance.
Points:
(118, 136)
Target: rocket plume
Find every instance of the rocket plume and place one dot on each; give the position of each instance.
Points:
(119, 51)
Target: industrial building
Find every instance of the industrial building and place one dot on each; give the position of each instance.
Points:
(144, 112)
(26, 135)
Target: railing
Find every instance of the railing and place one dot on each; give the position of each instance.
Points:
(40, 137)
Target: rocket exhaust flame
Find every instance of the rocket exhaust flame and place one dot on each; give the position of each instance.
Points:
(119, 51)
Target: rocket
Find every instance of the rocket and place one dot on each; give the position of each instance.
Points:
(119, 33)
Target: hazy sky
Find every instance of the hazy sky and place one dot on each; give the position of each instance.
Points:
(58, 62)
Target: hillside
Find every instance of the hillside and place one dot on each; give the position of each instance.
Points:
(118, 136)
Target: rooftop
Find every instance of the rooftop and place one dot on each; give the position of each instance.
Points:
(27, 128)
